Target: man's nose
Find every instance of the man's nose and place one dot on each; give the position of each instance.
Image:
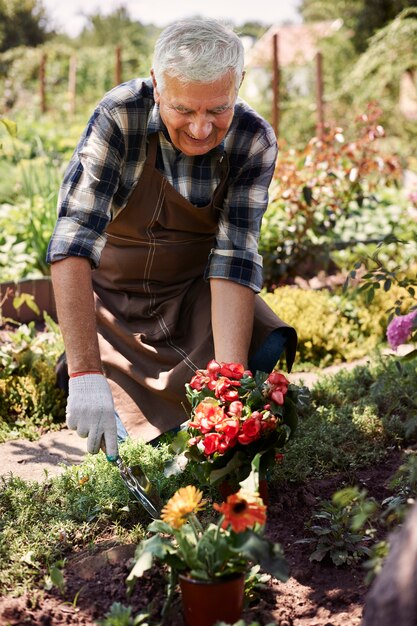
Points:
(200, 128)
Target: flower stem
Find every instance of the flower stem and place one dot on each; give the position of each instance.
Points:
(219, 525)
(171, 588)
(195, 525)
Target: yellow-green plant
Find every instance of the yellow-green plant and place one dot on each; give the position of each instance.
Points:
(29, 398)
(331, 328)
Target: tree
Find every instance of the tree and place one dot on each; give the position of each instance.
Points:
(363, 17)
(22, 24)
(252, 29)
(375, 15)
(325, 10)
(117, 28)
(391, 52)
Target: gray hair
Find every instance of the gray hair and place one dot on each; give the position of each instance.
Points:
(200, 50)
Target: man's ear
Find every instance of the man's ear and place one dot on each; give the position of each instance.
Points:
(241, 80)
(156, 93)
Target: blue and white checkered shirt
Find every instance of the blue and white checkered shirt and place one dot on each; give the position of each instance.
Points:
(108, 161)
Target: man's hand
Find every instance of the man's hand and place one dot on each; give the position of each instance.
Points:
(90, 411)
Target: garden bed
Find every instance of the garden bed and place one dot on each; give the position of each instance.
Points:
(318, 594)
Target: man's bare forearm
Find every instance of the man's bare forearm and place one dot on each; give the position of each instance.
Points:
(71, 279)
(232, 310)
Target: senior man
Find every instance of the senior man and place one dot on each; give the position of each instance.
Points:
(155, 262)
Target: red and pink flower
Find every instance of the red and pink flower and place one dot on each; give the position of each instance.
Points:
(207, 414)
(226, 415)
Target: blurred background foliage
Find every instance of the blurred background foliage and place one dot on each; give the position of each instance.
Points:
(334, 196)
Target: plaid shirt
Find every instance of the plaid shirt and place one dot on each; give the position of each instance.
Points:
(109, 159)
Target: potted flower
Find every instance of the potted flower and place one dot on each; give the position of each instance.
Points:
(210, 560)
(235, 416)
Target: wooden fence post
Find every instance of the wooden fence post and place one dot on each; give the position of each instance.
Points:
(275, 83)
(42, 83)
(319, 96)
(72, 84)
(118, 66)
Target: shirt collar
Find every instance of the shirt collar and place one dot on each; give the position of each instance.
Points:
(155, 123)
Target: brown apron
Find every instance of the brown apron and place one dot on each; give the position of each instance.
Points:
(153, 304)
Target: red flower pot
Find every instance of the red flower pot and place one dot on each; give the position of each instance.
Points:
(207, 602)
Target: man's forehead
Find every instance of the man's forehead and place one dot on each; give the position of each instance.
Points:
(190, 95)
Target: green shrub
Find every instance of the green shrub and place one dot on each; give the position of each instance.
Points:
(333, 439)
(350, 423)
(318, 196)
(30, 402)
(394, 393)
(40, 523)
(331, 328)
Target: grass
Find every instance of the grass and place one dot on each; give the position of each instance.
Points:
(40, 523)
(354, 417)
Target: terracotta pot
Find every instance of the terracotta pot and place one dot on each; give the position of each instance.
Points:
(226, 489)
(207, 602)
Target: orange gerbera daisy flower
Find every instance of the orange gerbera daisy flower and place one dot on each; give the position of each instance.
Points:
(185, 501)
(242, 510)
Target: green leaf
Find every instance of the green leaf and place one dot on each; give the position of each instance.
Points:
(318, 555)
(290, 414)
(338, 556)
(143, 563)
(28, 299)
(370, 295)
(260, 550)
(187, 544)
(180, 442)
(344, 497)
(215, 552)
(10, 126)
(176, 465)
(158, 526)
(251, 483)
(235, 462)
(57, 578)
(147, 549)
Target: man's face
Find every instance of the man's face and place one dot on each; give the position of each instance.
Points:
(197, 115)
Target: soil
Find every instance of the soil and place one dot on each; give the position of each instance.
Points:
(317, 594)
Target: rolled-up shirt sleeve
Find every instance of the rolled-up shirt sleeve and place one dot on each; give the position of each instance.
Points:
(87, 191)
(235, 255)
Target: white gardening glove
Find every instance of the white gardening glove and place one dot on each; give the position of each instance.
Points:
(90, 411)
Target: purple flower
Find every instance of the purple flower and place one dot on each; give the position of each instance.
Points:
(400, 328)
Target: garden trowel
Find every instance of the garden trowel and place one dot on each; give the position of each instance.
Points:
(139, 485)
